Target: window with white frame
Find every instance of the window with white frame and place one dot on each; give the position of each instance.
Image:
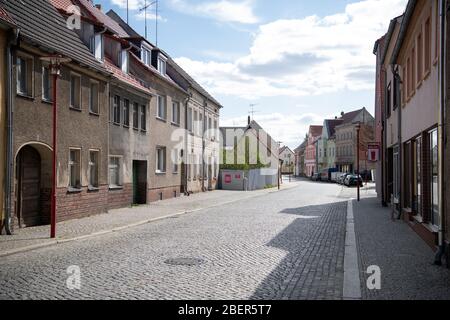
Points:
(126, 112)
(97, 46)
(195, 122)
(116, 110)
(93, 168)
(74, 168)
(75, 91)
(136, 116)
(162, 65)
(189, 120)
(176, 113)
(124, 61)
(146, 56)
(161, 107)
(209, 127)
(115, 171)
(160, 159)
(47, 84)
(143, 117)
(94, 97)
(24, 75)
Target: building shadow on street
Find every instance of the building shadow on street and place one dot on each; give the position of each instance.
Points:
(313, 266)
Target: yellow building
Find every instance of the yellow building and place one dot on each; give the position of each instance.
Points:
(5, 24)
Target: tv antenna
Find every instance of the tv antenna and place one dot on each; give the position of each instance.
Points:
(144, 8)
(253, 111)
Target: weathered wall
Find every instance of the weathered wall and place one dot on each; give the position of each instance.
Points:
(2, 121)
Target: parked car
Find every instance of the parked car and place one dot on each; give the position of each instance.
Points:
(316, 177)
(341, 178)
(353, 180)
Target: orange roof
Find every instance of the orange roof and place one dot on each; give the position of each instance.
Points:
(316, 130)
(126, 78)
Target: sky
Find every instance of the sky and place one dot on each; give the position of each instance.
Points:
(297, 62)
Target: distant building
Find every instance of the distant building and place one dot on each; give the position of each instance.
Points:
(300, 159)
(327, 145)
(288, 158)
(315, 133)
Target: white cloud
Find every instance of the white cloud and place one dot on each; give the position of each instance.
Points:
(223, 10)
(290, 129)
(308, 56)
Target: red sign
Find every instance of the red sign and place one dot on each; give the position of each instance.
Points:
(228, 178)
(373, 153)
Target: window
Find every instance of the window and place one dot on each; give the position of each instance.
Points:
(47, 84)
(200, 127)
(413, 69)
(195, 122)
(24, 76)
(160, 160)
(404, 84)
(136, 116)
(427, 45)
(215, 130)
(143, 118)
(189, 120)
(115, 171)
(388, 101)
(437, 35)
(419, 58)
(116, 110)
(209, 127)
(409, 82)
(126, 112)
(161, 108)
(97, 46)
(175, 160)
(146, 56)
(124, 61)
(94, 98)
(75, 91)
(417, 204)
(176, 113)
(74, 168)
(93, 168)
(434, 177)
(162, 65)
(396, 93)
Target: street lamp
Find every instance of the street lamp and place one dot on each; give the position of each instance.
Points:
(54, 62)
(358, 128)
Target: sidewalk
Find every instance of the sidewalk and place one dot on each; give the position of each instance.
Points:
(406, 261)
(116, 220)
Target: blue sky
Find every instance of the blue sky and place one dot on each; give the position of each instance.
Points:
(299, 61)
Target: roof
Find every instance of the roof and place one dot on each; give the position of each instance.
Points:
(388, 37)
(331, 126)
(133, 34)
(410, 7)
(301, 147)
(126, 78)
(316, 130)
(350, 116)
(94, 13)
(4, 17)
(284, 149)
(55, 37)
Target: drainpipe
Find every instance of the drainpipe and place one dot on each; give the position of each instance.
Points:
(12, 41)
(442, 117)
(399, 143)
(186, 152)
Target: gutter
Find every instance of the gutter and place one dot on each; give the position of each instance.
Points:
(442, 132)
(12, 41)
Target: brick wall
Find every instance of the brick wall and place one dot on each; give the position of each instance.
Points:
(167, 193)
(120, 198)
(80, 204)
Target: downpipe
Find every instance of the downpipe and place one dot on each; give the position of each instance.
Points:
(12, 41)
(442, 119)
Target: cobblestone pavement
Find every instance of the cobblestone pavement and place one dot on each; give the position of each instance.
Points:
(405, 260)
(285, 245)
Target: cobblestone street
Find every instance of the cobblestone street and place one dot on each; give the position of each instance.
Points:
(279, 245)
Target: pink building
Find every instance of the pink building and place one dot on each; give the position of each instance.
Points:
(315, 133)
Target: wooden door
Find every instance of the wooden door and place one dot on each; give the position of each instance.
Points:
(29, 187)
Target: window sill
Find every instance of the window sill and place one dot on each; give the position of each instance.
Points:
(47, 101)
(94, 114)
(25, 96)
(158, 173)
(175, 124)
(75, 109)
(144, 131)
(116, 124)
(73, 190)
(126, 127)
(161, 119)
(93, 189)
(115, 188)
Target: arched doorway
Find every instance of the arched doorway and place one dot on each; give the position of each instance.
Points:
(33, 187)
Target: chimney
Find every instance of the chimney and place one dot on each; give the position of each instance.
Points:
(99, 7)
(342, 113)
(249, 120)
(335, 118)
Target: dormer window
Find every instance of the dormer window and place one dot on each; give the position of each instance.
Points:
(124, 61)
(162, 65)
(97, 46)
(146, 56)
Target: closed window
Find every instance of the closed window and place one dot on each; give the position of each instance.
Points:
(126, 112)
(93, 168)
(162, 66)
(189, 120)
(176, 113)
(427, 45)
(94, 98)
(160, 160)
(75, 91)
(47, 84)
(74, 168)
(116, 110)
(136, 116)
(25, 76)
(419, 57)
(143, 118)
(161, 107)
(146, 56)
(115, 179)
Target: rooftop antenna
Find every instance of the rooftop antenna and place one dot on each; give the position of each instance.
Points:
(253, 111)
(128, 10)
(144, 8)
(156, 22)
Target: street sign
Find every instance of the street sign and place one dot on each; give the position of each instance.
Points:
(373, 154)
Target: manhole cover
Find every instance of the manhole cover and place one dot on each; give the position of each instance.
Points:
(190, 262)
